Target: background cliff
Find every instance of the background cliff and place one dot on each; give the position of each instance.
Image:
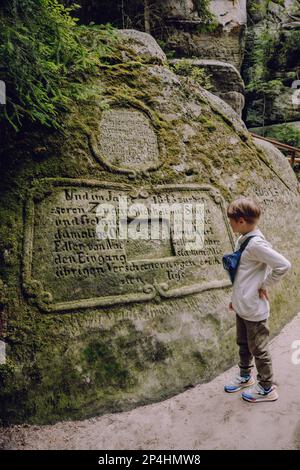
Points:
(249, 49)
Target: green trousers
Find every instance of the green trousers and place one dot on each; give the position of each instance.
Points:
(252, 339)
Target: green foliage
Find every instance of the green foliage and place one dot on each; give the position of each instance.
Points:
(210, 22)
(269, 89)
(47, 60)
(271, 64)
(267, 3)
(263, 6)
(262, 58)
(269, 49)
(202, 7)
(285, 133)
(289, 56)
(186, 68)
(262, 49)
(170, 53)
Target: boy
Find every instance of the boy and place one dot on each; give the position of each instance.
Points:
(260, 266)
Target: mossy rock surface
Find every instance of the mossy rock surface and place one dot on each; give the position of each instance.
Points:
(119, 341)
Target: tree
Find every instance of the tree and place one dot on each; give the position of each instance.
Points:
(147, 10)
(46, 60)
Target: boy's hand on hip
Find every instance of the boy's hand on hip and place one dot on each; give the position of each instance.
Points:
(263, 293)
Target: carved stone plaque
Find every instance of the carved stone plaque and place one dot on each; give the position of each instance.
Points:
(66, 265)
(127, 142)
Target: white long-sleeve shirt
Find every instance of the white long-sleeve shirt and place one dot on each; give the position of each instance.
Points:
(260, 266)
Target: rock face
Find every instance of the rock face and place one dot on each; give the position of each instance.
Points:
(277, 11)
(181, 10)
(89, 324)
(143, 44)
(230, 13)
(273, 37)
(272, 64)
(225, 43)
(225, 79)
(279, 161)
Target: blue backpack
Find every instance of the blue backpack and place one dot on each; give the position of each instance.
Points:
(231, 260)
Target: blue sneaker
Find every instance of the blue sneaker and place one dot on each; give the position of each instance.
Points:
(258, 394)
(238, 383)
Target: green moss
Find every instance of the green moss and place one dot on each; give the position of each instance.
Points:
(207, 123)
(93, 361)
(188, 70)
(60, 378)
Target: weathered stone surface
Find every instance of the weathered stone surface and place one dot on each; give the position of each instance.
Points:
(225, 77)
(140, 149)
(235, 100)
(178, 9)
(260, 9)
(142, 43)
(226, 43)
(227, 47)
(280, 163)
(230, 14)
(92, 327)
(227, 110)
(75, 269)
(226, 80)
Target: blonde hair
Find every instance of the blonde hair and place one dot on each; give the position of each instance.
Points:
(244, 207)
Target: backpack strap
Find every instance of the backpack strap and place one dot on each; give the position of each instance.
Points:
(245, 243)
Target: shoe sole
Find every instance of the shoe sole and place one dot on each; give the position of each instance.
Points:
(246, 385)
(273, 397)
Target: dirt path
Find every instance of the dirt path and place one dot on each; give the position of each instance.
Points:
(203, 417)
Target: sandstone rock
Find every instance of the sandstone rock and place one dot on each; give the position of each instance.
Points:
(226, 43)
(226, 80)
(178, 9)
(230, 14)
(95, 325)
(142, 43)
(235, 100)
(279, 161)
(227, 47)
(227, 110)
(260, 9)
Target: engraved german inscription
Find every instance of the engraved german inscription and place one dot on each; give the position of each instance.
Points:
(72, 266)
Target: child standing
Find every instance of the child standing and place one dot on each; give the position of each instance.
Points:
(260, 266)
